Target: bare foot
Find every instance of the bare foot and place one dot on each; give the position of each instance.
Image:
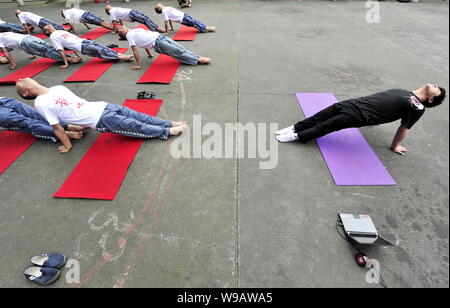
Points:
(211, 29)
(175, 131)
(204, 60)
(3, 60)
(76, 128)
(75, 135)
(126, 58)
(177, 124)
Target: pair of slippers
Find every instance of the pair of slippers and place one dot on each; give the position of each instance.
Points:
(46, 268)
(146, 95)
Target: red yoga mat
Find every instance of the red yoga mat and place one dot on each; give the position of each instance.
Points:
(101, 171)
(40, 35)
(42, 64)
(185, 33)
(92, 70)
(29, 70)
(162, 70)
(95, 34)
(12, 145)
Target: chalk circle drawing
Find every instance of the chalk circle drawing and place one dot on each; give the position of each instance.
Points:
(106, 232)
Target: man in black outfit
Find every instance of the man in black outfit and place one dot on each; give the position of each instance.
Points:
(379, 108)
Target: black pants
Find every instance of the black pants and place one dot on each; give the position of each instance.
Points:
(329, 120)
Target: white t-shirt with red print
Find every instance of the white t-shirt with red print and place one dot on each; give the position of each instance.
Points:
(172, 14)
(29, 18)
(61, 104)
(63, 39)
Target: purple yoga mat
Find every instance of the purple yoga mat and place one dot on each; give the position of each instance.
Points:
(347, 154)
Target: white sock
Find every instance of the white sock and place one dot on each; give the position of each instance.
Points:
(286, 130)
(287, 137)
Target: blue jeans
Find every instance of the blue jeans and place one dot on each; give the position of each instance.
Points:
(35, 46)
(167, 46)
(9, 27)
(126, 122)
(20, 117)
(190, 21)
(45, 22)
(143, 19)
(90, 18)
(95, 50)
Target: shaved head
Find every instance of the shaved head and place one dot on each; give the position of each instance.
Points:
(158, 8)
(123, 31)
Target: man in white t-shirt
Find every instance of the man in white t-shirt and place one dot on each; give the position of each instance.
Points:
(10, 27)
(29, 19)
(19, 117)
(58, 104)
(75, 15)
(119, 15)
(64, 40)
(171, 14)
(161, 44)
(31, 45)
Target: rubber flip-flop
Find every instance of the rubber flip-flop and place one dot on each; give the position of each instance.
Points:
(54, 260)
(42, 275)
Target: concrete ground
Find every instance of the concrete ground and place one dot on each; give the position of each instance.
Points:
(224, 222)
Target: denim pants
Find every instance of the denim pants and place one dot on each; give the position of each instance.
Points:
(143, 19)
(45, 22)
(95, 50)
(90, 18)
(124, 121)
(9, 27)
(35, 46)
(167, 46)
(190, 21)
(20, 117)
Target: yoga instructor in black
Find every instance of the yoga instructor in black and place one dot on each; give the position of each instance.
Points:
(379, 108)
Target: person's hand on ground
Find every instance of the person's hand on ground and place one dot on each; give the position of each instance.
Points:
(12, 67)
(64, 66)
(62, 149)
(136, 68)
(401, 150)
(32, 57)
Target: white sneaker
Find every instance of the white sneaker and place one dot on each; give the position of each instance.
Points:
(286, 130)
(287, 137)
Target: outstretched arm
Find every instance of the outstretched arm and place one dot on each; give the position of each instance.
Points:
(27, 28)
(166, 24)
(63, 137)
(12, 63)
(64, 57)
(114, 22)
(400, 136)
(137, 57)
(171, 25)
